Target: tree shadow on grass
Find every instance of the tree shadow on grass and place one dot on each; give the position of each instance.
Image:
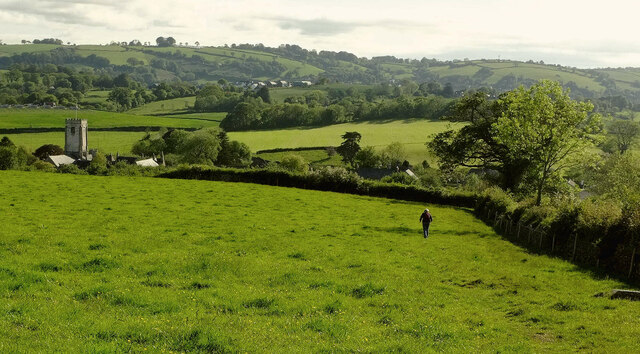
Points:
(601, 274)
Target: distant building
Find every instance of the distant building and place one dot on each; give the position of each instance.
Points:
(302, 83)
(147, 163)
(60, 160)
(75, 139)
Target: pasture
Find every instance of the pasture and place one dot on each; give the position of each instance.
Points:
(13, 49)
(116, 55)
(313, 157)
(412, 133)
(279, 94)
(96, 96)
(105, 141)
(165, 106)
(132, 264)
(53, 118)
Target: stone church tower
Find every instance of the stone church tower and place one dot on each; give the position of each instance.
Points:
(75, 139)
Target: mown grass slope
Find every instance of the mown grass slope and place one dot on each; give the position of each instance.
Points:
(128, 264)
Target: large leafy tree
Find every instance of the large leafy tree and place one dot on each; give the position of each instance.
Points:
(48, 150)
(546, 127)
(122, 96)
(624, 134)
(349, 147)
(475, 145)
(243, 116)
(202, 147)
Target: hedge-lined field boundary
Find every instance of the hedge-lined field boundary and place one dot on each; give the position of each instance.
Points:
(574, 233)
(331, 180)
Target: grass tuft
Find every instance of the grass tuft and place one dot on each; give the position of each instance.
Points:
(259, 303)
(367, 290)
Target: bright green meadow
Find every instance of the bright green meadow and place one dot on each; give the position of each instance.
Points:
(53, 118)
(105, 141)
(313, 157)
(165, 107)
(412, 133)
(116, 264)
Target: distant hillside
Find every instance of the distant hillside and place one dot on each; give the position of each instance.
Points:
(290, 62)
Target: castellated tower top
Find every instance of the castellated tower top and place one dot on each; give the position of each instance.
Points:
(75, 138)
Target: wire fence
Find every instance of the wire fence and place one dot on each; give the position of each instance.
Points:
(571, 247)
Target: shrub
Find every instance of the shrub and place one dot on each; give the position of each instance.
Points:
(367, 157)
(393, 154)
(399, 177)
(5, 141)
(294, 163)
(43, 166)
(98, 165)
(430, 178)
(48, 150)
(496, 199)
(8, 158)
(234, 154)
(336, 175)
(13, 157)
(536, 215)
(596, 217)
(71, 169)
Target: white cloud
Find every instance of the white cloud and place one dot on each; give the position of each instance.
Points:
(580, 33)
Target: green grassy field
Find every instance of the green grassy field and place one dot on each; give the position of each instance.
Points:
(106, 142)
(130, 264)
(279, 94)
(116, 55)
(96, 96)
(526, 70)
(49, 118)
(413, 133)
(12, 49)
(313, 157)
(165, 107)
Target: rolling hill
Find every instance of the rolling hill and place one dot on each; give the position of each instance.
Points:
(290, 62)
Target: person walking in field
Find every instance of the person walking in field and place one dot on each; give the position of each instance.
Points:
(426, 220)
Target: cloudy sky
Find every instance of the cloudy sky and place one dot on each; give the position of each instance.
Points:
(582, 33)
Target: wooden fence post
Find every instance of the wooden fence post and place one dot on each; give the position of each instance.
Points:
(519, 227)
(633, 257)
(528, 234)
(553, 243)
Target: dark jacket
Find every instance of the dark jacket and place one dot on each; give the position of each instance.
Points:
(426, 218)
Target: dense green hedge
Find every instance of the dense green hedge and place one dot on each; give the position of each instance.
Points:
(328, 179)
(601, 232)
